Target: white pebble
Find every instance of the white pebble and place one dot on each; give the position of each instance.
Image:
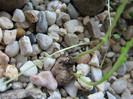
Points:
(94, 61)
(98, 95)
(51, 17)
(48, 64)
(4, 87)
(6, 23)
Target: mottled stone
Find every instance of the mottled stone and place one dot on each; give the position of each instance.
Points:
(20, 32)
(54, 36)
(18, 16)
(23, 25)
(94, 61)
(11, 71)
(4, 59)
(42, 24)
(17, 85)
(6, 23)
(25, 46)
(48, 64)
(84, 59)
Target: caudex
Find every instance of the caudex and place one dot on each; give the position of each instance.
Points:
(120, 60)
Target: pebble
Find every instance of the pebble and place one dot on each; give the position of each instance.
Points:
(1, 35)
(20, 58)
(28, 6)
(4, 87)
(4, 59)
(55, 95)
(132, 74)
(51, 17)
(83, 69)
(31, 71)
(40, 65)
(83, 86)
(129, 66)
(98, 95)
(54, 36)
(53, 28)
(62, 32)
(37, 2)
(63, 92)
(110, 96)
(101, 87)
(65, 1)
(6, 23)
(72, 11)
(11, 71)
(25, 46)
(2, 70)
(84, 59)
(110, 54)
(126, 94)
(53, 48)
(126, 13)
(48, 64)
(44, 79)
(53, 5)
(44, 41)
(71, 26)
(130, 87)
(117, 83)
(71, 39)
(32, 38)
(20, 32)
(71, 89)
(42, 24)
(128, 33)
(23, 25)
(18, 16)
(96, 73)
(31, 15)
(86, 20)
(9, 36)
(116, 47)
(36, 49)
(5, 14)
(94, 61)
(122, 69)
(12, 49)
(17, 85)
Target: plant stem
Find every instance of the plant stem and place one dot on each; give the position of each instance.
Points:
(119, 11)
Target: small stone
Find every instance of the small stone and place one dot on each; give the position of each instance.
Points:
(53, 28)
(55, 95)
(18, 16)
(12, 49)
(122, 69)
(28, 6)
(11, 71)
(53, 5)
(42, 24)
(101, 87)
(94, 61)
(31, 15)
(98, 95)
(86, 20)
(110, 96)
(23, 25)
(63, 92)
(10, 36)
(54, 36)
(63, 70)
(20, 32)
(102, 16)
(4, 59)
(31, 71)
(2, 70)
(38, 63)
(129, 66)
(116, 47)
(126, 94)
(132, 74)
(83, 69)
(96, 73)
(51, 17)
(44, 41)
(83, 86)
(20, 58)
(1, 35)
(32, 38)
(71, 26)
(71, 39)
(37, 2)
(72, 11)
(4, 87)
(65, 1)
(84, 59)
(62, 32)
(48, 64)
(17, 85)
(44, 79)
(117, 88)
(126, 13)
(53, 48)
(25, 46)
(130, 87)
(5, 14)
(71, 89)
(110, 54)
(41, 7)
(6, 23)
(36, 49)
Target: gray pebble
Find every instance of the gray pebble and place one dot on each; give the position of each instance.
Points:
(65, 1)
(72, 11)
(17, 85)
(5, 14)
(110, 96)
(126, 94)
(28, 6)
(122, 69)
(42, 24)
(129, 65)
(32, 38)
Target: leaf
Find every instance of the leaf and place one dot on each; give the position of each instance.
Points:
(116, 36)
(131, 14)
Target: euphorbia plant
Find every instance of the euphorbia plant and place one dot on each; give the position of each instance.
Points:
(105, 39)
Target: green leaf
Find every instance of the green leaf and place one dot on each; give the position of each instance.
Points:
(122, 50)
(105, 75)
(131, 14)
(116, 36)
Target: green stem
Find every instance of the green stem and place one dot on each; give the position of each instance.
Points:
(119, 11)
(120, 60)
